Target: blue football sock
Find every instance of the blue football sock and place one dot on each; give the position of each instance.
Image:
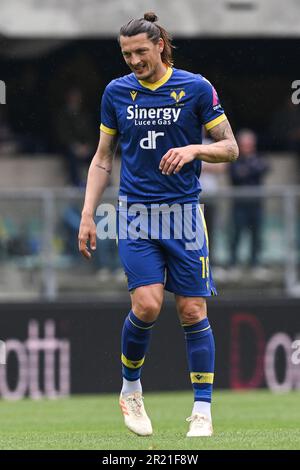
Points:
(201, 357)
(135, 341)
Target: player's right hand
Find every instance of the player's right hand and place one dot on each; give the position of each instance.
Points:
(87, 233)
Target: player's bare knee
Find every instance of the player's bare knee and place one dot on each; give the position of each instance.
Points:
(147, 308)
(191, 311)
(147, 302)
(192, 317)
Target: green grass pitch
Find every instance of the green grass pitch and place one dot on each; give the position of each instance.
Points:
(248, 420)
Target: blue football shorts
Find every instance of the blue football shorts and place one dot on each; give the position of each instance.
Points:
(167, 246)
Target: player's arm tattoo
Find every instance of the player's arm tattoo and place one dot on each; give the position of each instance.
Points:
(108, 170)
(105, 161)
(223, 134)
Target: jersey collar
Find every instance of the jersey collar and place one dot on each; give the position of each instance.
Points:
(159, 83)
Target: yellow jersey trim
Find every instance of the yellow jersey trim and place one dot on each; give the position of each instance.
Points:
(215, 122)
(132, 364)
(202, 377)
(159, 83)
(108, 130)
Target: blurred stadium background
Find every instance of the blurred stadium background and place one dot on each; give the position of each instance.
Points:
(60, 315)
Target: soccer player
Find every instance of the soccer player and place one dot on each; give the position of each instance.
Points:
(157, 112)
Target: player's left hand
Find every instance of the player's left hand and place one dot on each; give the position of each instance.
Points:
(175, 158)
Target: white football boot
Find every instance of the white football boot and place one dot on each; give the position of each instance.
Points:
(135, 416)
(200, 426)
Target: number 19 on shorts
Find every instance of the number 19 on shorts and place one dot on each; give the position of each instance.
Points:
(205, 266)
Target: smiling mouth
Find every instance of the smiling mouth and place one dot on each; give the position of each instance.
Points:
(140, 69)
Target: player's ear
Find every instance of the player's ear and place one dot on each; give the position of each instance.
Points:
(161, 45)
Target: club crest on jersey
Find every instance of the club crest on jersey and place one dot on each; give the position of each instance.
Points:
(177, 96)
(133, 94)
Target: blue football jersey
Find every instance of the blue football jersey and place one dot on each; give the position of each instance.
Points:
(150, 119)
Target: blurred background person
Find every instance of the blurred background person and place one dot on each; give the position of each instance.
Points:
(248, 170)
(8, 140)
(75, 134)
(28, 102)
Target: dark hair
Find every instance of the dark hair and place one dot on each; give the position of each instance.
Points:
(154, 32)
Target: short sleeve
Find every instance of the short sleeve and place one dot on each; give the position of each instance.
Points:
(209, 107)
(108, 115)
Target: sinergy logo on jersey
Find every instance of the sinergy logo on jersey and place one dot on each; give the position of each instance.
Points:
(152, 116)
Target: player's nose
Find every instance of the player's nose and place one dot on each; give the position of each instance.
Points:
(135, 60)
